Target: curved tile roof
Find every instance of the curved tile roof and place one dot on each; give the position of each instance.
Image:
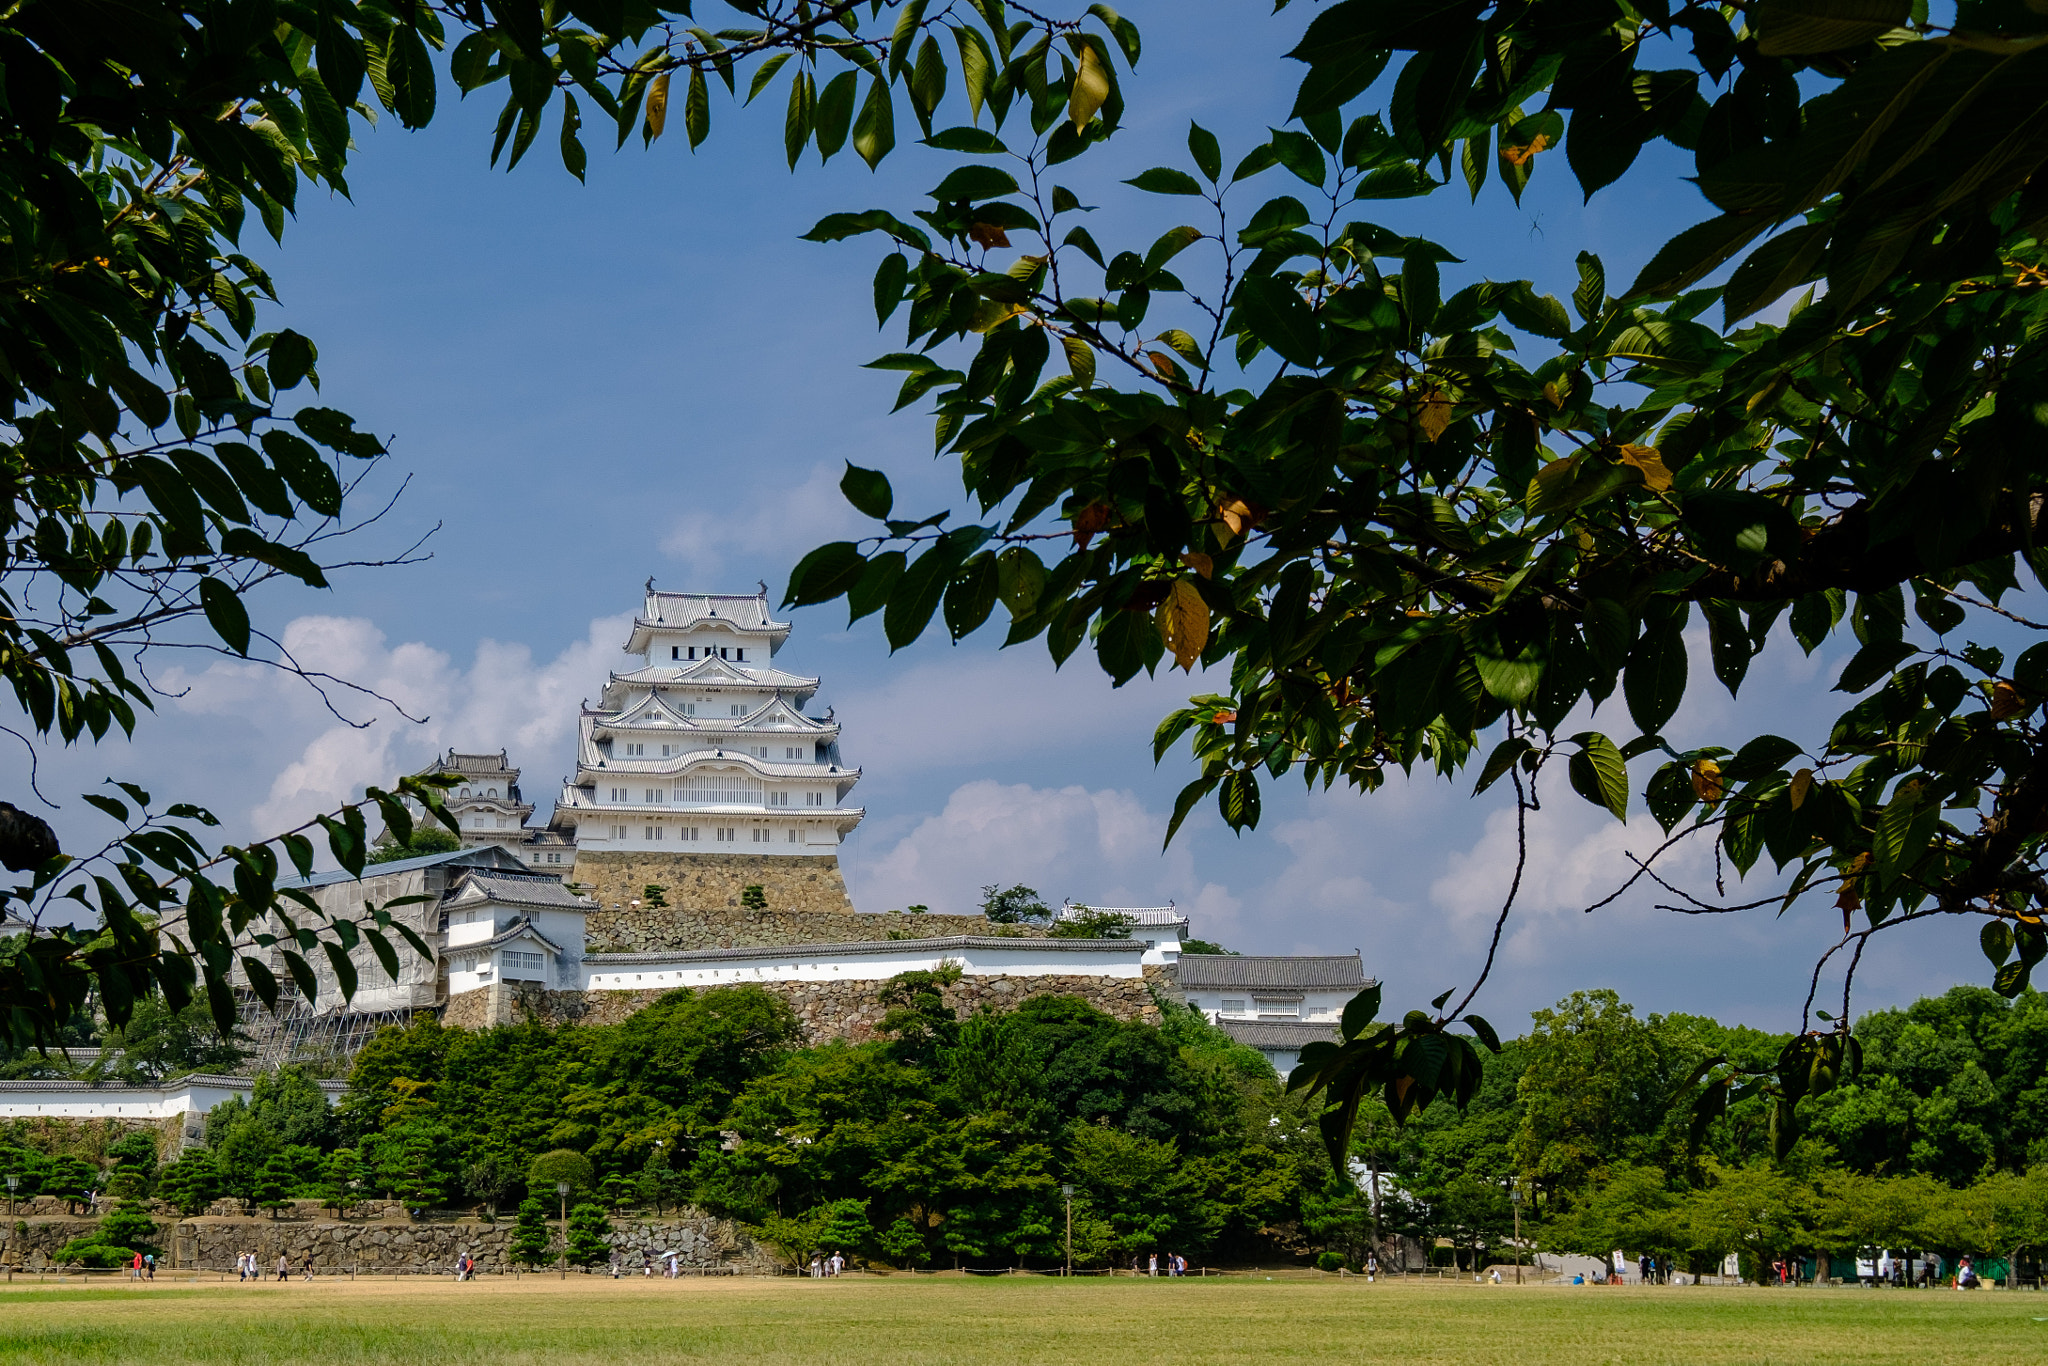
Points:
(1209, 971)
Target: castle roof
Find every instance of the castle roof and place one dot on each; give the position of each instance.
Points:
(1210, 971)
(745, 614)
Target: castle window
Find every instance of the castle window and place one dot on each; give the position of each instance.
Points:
(653, 795)
(618, 794)
(743, 656)
(693, 652)
(792, 837)
(492, 793)
(723, 653)
(726, 834)
(654, 832)
(689, 708)
(686, 832)
(634, 750)
(738, 709)
(675, 652)
(792, 752)
(618, 832)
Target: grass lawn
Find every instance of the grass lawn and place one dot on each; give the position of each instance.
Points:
(1008, 1322)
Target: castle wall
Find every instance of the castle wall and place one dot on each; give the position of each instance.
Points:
(826, 1011)
(386, 1245)
(807, 903)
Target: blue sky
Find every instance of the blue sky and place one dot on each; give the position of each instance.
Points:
(650, 375)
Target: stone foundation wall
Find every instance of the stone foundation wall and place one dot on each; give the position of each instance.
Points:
(387, 1245)
(832, 1010)
(702, 882)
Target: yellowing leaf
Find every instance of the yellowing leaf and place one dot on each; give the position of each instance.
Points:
(1706, 780)
(1184, 623)
(1236, 515)
(989, 314)
(1651, 463)
(1200, 563)
(657, 106)
(1521, 156)
(1802, 784)
(2006, 700)
(1164, 364)
(1551, 487)
(1435, 415)
(1091, 88)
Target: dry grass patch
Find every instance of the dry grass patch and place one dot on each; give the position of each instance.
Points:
(1007, 1322)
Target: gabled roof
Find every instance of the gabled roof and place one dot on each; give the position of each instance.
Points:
(518, 889)
(520, 928)
(1210, 971)
(1271, 1034)
(713, 673)
(484, 856)
(741, 613)
(651, 710)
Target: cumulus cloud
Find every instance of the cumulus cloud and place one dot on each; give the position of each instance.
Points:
(503, 698)
(1100, 847)
(781, 524)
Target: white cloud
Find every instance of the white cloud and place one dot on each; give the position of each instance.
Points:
(1100, 847)
(502, 699)
(790, 522)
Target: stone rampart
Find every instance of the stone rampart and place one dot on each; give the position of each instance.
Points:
(386, 1245)
(829, 1010)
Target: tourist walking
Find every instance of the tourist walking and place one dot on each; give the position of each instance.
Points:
(135, 1270)
(1372, 1267)
(284, 1267)
(309, 1266)
(671, 1264)
(1152, 1265)
(149, 1266)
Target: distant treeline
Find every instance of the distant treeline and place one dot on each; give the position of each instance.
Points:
(948, 1141)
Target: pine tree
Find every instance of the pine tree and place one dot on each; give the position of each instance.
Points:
(340, 1176)
(191, 1183)
(274, 1184)
(533, 1242)
(590, 1235)
(129, 1226)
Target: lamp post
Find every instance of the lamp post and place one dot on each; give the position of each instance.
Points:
(1515, 1199)
(13, 1180)
(562, 1189)
(1066, 1192)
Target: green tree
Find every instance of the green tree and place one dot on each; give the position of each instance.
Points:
(425, 839)
(1136, 1185)
(753, 898)
(128, 1225)
(1593, 1082)
(548, 1171)
(843, 1226)
(341, 1178)
(903, 1243)
(796, 1238)
(590, 1235)
(411, 1161)
(191, 1183)
(489, 1178)
(533, 1238)
(274, 1182)
(1014, 905)
(1088, 923)
(1421, 513)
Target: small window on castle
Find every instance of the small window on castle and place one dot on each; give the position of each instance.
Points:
(492, 793)
(693, 652)
(686, 832)
(618, 832)
(654, 832)
(738, 709)
(743, 656)
(792, 836)
(675, 652)
(653, 795)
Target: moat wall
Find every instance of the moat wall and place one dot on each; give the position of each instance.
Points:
(390, 1244)
(806, 895)
(825, 1010)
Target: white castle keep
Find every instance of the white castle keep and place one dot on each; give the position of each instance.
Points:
(706, 746)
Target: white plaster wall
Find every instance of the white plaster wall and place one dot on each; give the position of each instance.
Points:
(786, 965)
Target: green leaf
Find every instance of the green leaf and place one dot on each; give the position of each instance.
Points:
(1165, 180)
(411, 72)
(1202, 147)
(1238, 799)
(824, 574)
(1873, 663)
(874, 132)
(1599, 774)
(917, 596)
(1996, 941)
(1795, 28)
(1360, 1011)
(1184, 803)
(573, 158)
(309, 476)
(291, 356)
(1654, 680)
(1500, 761)
(974, 182)
(1274, 313)
(868, 490)
(697, 110)
(1590, 298)
(225, 613)
(835, 113)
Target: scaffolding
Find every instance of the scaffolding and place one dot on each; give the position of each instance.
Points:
(295, 1035)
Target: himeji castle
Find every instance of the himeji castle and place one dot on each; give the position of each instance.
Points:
(706, 746)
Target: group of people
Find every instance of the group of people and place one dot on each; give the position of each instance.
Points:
(1174, 1264)
(247, 1268)
(144, 1266)
(823, 1266)
(618, 1264)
